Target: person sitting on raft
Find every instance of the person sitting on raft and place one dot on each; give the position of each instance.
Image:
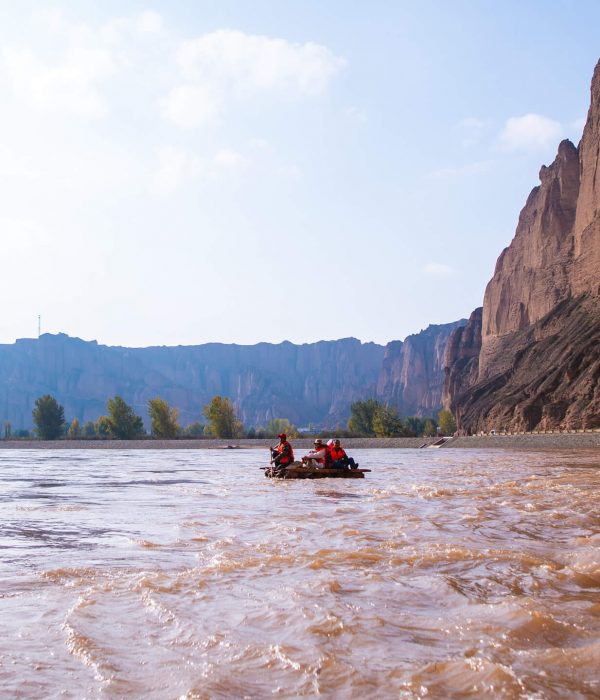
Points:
(339, 458)
(318, 457)
(282, 454)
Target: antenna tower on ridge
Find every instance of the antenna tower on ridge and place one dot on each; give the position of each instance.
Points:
(39, 325)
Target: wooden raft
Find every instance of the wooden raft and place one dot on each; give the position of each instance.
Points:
(297, 470)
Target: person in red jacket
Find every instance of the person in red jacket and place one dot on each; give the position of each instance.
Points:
(339, 458)
(282, 454)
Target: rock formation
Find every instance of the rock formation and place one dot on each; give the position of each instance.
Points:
(412, 373)
(532, 274)
(309, 384)
(585, 276)
(306, 383)
(540, 332)
(461, 358)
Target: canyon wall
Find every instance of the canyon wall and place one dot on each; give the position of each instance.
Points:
(533, 274)
(412, 372)
(461, 358)
(538, 364)
(306, 383)
(313, 383)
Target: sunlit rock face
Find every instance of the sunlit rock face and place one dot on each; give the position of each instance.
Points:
(533, 274)
(540, 336)
(585, 275)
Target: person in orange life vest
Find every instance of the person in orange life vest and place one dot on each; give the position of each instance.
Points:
(317, 457)
(329, 446)
(339, 458)
(282, 454)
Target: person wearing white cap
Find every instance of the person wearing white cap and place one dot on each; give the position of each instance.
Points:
(318, 456)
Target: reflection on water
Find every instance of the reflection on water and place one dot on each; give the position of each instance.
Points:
(164, 574)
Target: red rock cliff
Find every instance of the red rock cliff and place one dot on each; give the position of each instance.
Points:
(539, 364)
(533, 274)
(586, 268)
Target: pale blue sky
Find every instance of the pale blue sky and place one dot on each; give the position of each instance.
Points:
(183, 172)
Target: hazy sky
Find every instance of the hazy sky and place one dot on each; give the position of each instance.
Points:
(190, 171)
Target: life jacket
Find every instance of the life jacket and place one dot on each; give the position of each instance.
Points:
(286, 459)
(337, 453)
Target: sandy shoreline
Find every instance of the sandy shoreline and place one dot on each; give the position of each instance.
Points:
(527, 441)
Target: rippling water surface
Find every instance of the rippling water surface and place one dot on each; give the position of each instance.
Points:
(187, 574)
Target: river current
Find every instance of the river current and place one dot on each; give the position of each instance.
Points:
(187, 574)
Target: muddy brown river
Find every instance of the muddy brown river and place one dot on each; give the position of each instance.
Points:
(187, 574)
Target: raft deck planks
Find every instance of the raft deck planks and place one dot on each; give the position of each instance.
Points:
(299, 471)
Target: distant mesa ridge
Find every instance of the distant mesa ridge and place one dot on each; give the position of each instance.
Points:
(530, 360)
(313, 383)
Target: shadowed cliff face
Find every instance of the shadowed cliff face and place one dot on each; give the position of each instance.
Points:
(412, 374)
(540, 337)
(305, 383)
(312, 383)
(461, 359)
(553, 379)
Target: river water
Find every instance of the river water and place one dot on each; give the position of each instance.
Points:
(187, 574)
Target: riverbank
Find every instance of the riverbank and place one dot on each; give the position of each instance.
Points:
(203, 444)
(528, 441)
(532, 441)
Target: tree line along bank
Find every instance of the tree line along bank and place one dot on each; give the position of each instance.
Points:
(368, 418)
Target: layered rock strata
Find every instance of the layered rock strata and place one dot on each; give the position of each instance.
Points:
(552, 380)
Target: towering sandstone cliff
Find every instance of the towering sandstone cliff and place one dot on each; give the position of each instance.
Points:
(539, 362)
(533, 274)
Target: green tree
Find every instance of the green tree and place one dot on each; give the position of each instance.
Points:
(279, 425)
(74, 431)
(447, 422)
(195, 429)
(102, 427)
(7, 430)
(414, 426)
(222, 421)
(429, 428)
(362, 414)
(89, 429)
(163, 419)
(123, 424)
(387, 423)
(48, 417)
